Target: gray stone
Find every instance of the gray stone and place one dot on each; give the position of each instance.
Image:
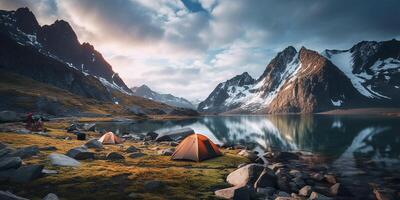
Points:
(63, 160)
(248, 154)
(51, 196)
(23, 131)
(283, 183)
(25, 152)
(246, 175)
(27, 173)
(267, 178)
(283, 194)
(317, 176)
(10, 163)
(5, 175)
(114, 156)
(94, 144)
(174, 135)
(9, 116)
(305, 191)
(89, 127)
(80, 153)
(293, 187)
(330, 179)
(10, 196)
(132, 149)
(317, 196)
(268, 191)
(2, 145)
(136, 155)
(235, 193)
(384, 194)
(166, 152)
(151, 186)
(48, 148)
(295, 173)
(299, 182)
(5, 151)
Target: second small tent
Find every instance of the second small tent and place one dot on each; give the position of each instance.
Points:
(110, 138)
(196, 147)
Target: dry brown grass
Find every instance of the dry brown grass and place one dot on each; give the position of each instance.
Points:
(101, 179)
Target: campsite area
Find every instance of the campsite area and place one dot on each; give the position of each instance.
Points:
(151, 174)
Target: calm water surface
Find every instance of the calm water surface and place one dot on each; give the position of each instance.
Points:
(362, 146)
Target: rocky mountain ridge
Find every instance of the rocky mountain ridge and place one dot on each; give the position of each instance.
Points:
(169, 99)
(305, 81)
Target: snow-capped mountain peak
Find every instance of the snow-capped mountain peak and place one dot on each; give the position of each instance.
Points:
(169, 99)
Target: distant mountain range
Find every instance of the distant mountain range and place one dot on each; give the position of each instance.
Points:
(305, 81)
(169, 99)
(53, 55)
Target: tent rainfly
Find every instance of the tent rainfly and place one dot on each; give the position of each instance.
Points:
(110, 138)
(196, 147)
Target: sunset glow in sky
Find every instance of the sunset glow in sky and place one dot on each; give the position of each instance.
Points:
(187, 47)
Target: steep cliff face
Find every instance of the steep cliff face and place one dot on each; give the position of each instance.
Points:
(56, 43)
(367, 75)
(316, 86)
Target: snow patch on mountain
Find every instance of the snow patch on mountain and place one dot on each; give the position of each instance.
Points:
(344, 61)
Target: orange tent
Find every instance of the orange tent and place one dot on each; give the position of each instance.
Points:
(110, 138)
(196, 147)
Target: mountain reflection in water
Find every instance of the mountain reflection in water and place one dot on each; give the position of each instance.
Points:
(342, 138)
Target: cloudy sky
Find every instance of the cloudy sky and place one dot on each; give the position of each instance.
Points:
(187, 47)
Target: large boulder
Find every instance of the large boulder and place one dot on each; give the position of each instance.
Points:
(94, 144)
(48, 148)
(10, 163)
(80, 153)
(235, 193)
(10, 196)
(25, 152)
(63, 160)
(9, 116)
(27, 173)
(114, 156)
(174, 135)
(267, 178)
(72, 128)
(151, 135)
(305, 191)
(132, 149)
(246, 175)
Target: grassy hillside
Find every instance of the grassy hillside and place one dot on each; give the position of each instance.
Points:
(23, 94)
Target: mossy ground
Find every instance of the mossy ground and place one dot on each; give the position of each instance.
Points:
(102, 179)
